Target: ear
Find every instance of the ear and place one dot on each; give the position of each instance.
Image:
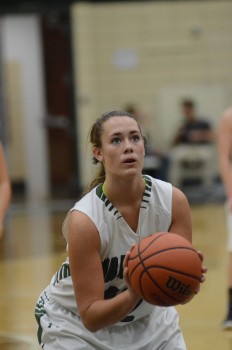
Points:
(97, 153)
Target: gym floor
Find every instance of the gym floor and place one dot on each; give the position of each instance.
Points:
(33, 248)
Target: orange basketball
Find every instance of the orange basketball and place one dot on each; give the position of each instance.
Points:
(165, 269)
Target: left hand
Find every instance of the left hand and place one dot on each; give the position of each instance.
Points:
(204, 268)
(1, 230)
(125, 270)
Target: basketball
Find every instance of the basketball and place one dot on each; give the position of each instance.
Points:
(165, 269)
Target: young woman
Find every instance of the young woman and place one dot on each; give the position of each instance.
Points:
(224, 152)
(5, 189)
(89, 303)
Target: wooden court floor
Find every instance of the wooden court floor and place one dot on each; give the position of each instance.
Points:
(33, 249)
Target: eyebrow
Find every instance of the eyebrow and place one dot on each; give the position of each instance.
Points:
(120, 133)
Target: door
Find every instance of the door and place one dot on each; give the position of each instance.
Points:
(60, 118)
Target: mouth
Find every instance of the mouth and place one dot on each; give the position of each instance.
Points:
(129, 161)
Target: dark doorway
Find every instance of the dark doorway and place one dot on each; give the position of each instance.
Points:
(60, 118)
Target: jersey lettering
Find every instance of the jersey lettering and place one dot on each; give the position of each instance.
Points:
(113, 269)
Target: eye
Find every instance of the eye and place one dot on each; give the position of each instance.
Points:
(115, 140)
(136, 138)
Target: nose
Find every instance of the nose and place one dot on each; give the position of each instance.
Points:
(128, 146)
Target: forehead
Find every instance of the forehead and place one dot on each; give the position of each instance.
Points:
(120, 125)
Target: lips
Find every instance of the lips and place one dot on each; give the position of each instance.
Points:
(129, 160)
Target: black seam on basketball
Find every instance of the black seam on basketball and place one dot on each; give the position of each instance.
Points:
(141, 251)
(141, 261)
(194, 277)
(159, 252)
(167, 249)
(157, 285)
(153, 240)
(132, 271)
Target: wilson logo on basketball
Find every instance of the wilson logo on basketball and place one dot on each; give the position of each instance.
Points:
(178, 286)
(165, 269)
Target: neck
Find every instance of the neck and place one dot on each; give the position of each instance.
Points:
(124, 192)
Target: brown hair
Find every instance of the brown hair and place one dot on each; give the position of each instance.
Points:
(95, 140)
(188, 103)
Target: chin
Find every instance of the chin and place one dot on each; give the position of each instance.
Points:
(133, 172)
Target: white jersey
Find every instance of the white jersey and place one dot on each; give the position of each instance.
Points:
(116, 237)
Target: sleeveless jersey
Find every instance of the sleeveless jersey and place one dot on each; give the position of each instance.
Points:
(116, 237)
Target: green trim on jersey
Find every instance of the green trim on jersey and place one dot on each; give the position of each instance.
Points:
(62, 273)
(108, 204)
(145, 200)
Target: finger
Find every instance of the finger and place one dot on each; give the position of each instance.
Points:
(201, 255)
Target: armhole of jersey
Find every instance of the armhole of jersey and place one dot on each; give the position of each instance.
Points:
(65, 223)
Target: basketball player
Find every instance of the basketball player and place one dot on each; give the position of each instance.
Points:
(89, 303)
(5, 190)
(225, 149)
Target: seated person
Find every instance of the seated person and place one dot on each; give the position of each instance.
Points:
(192, 159)
(194, 130)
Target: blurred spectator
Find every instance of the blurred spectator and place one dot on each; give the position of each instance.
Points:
(5, 189)
(194, 130)
(192, 157)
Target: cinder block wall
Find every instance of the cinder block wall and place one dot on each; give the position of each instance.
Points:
(152, 54)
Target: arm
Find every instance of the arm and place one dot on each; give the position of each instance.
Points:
(5, 189)
(224, 149)
(87, 276)
(181, 215)
(205, 135)
(182, 221)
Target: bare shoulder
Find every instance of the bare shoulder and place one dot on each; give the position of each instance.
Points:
(181, 214)
(226, 118)
(180, 204)
(80, 227)
(225, 128)
(178, 197)
(76, 217)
